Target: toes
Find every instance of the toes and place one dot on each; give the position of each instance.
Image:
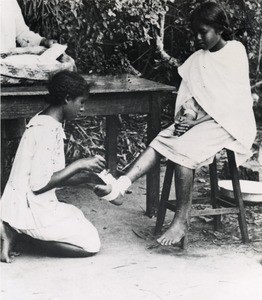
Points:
(164, 241)
(10, 259)
(7, 259)
(161, 241)
(169, 243)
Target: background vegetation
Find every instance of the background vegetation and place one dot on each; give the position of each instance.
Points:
(105, 37)
(118, 36)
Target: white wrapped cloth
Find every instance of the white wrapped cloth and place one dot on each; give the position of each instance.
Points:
(34, 63)
(219, 82)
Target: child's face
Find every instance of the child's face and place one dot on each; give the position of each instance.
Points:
(208, 38)
(74, 107)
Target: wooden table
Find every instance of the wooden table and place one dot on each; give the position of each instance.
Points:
(109, 96)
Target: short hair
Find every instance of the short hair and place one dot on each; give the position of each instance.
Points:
(212, 14)
(66, 83)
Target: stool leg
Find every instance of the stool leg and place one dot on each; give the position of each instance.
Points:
(238, 195)
(214, 192)
(161, 213)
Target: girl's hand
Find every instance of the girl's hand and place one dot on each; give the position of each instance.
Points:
(183, 125)
(180, 128)
(95, 164)
(47, 42)
(189, 122)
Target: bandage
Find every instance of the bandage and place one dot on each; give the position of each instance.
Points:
(119, 186)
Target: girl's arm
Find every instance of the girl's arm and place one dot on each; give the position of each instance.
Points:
(188, 122)
(192, 123)
(203, 119)
(181, 126)
(66, 175)
(83, 178)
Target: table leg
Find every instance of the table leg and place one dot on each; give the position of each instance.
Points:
(153, 177)
(111, 143)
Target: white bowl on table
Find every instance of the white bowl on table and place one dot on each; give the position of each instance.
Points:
(251, 190)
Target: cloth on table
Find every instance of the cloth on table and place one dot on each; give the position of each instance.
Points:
(25, 65)
(22, 64)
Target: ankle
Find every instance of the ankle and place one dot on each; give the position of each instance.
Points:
(123, 183)
(8, 231)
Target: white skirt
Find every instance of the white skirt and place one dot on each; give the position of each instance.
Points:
(198, 146)
(73, 229)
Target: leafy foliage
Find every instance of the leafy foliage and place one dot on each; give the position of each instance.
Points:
(105, 36)
(85, 137)
(109, 37)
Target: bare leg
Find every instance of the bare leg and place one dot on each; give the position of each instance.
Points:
(8, 236)
(141, 166)
(184, 187)
(63, 249)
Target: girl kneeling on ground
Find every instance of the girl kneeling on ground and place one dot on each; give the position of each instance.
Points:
(29, 204)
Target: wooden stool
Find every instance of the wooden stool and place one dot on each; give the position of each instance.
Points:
(220, 206)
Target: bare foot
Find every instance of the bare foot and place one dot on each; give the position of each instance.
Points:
(104, 190)
(8, 235)
(174, 234)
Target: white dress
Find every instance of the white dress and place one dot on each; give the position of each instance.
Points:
(13, 27)
(39, 155)
(219, 82)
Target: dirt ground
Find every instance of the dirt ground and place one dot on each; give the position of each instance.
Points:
(132, 266)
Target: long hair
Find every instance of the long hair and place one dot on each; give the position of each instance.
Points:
(212, 14)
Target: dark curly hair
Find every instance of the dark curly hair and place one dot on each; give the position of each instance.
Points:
(66, 83)
(212, 14)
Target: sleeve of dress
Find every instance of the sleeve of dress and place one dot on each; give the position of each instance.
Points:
(24, 36)
(43, 163)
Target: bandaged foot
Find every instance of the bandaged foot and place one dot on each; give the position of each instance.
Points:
(114, 189)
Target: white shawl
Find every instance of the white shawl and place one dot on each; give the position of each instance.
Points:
(219, 81)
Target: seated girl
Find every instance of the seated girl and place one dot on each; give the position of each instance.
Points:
(216, 77)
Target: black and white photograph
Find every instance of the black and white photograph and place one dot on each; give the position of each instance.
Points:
(131, 149)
